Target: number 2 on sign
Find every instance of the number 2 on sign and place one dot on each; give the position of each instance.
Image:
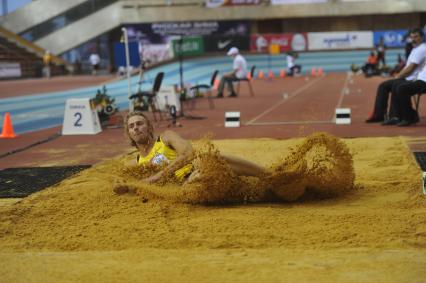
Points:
(77, 122)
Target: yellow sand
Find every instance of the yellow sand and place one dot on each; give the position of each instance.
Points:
(81, 231)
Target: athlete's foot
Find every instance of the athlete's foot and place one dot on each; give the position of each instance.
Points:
(288, 183)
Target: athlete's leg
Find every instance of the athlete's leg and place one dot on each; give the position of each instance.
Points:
(243, 167)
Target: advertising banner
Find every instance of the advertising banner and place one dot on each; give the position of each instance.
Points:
(158, 33)
(224, 43)
(219, 3)
(286, 42)
(10, 70)
(340, 40)
(284, 2)
(188, 46)
(154, 53)
(391, 38)
(154, 38)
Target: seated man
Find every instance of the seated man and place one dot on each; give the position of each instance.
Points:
(403, 112)
(408, 73)
(402, 98)
(239, 71)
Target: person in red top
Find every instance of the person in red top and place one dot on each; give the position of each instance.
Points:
(370, 67)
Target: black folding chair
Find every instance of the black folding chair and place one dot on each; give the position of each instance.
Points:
(248, 80)
(207, 88)
(148, 99)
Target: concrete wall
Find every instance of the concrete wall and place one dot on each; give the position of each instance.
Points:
(333, 15)
(145, 11)
(83, 30)
(35, 13)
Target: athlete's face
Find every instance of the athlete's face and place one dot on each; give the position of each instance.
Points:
(138, 128)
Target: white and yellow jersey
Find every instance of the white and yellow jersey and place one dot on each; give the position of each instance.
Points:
(161, 153)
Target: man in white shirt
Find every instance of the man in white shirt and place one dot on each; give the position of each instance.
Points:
(293, 68)
(95, 60)
(239, 71)
(407, 74)
(402, 97)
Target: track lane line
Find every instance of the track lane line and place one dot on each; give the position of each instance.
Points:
(302, 88)
(342, 94)
(290, 123)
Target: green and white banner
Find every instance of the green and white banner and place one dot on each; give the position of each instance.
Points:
(188, 46)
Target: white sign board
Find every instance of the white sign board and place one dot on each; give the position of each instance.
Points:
(343, 116)
(80, 118)
(340, 40)
(10, 70)
(167, 96)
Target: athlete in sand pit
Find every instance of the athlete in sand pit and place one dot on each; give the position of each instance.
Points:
(173, 151)
(321, 164)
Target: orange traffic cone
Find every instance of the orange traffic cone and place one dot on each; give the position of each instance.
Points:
(7, 131)
(261, 74)
(282, 73)
(216, 84)
(271, 74)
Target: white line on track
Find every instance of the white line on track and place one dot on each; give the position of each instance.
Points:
(289, 123)
(34, 115)
(343, 92)
(299, 90)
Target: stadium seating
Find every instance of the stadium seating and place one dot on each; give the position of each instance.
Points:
(14, 49)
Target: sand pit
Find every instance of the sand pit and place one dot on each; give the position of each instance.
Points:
(374, 231)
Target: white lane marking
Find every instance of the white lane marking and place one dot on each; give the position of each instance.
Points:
(299, 90)
(289, 123)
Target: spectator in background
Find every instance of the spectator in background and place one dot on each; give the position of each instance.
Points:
(95, 60)
(370, 66)
(77, 67)
(47, 61)
(293, 68)
(409, 73)
(239, 71)
(381, 50)
(261, 43)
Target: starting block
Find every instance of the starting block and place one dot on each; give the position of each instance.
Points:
(343, 116)
(232, 119)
